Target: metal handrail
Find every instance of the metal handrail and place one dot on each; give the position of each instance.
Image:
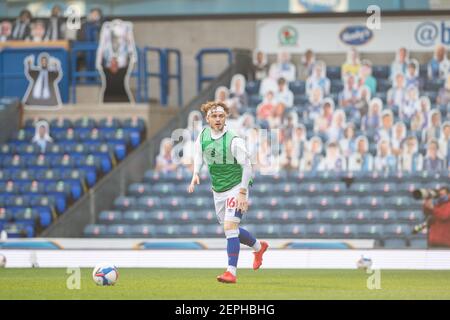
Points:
(199, 57)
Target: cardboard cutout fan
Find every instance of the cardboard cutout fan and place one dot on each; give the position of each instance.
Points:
(43, 80)
(116, 56)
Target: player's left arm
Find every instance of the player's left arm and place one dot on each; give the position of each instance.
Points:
(242, 156)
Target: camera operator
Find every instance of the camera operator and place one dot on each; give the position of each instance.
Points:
(437, 212)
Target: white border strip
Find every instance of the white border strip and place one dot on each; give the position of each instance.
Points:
(283, 259)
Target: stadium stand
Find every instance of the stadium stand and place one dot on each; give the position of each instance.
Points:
(355, 140)
(37, 186)
(321, 200)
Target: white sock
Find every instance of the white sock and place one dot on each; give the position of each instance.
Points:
(232, 269)
(257, 246)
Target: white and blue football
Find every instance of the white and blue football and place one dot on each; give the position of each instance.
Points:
(105, 274)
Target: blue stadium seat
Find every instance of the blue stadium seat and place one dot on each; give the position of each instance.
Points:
(198, 203)
(279, 177)
(418, 243)
(22, 201)
(346, 202)
(134, 123)
(124, 203)
(300, 99)
(5, 174)
(383, 85)
(133, 216)
(267, 230)
(358, 216)
(21, 137)
(344, 231)
(394, 243)
(28, 149)
(95, 230)
(384, 188)
(296, 202)
(372, 202)
(19, 230)
(297, 87)
(143, 230)
(140, 189)
(202, 190)
(286, 189)
(167, 231)
(397, 230)
(6, 214)
(57, 123)
(310, 189)
(333, 72)
(334, 188)
(164, 189)
(9, 187)
(24, 175)
(76, 178)
(85, 122)
(293, 231)
(318, 231)
(410, 216)
(157, 216)
(322, 202)
(433, 85)
(430, 94)
(28, 216)
(269, 203)
(257, 216)
(59, 188)
(118, 230)
(214, 230)
(262, 189)
(148, 203)
(182, 216)
(62, 162)
(384, 216)
(336, 86)
(381, 71)
(173, 202)
(283, 216)
(13, 161)
(254, 100)
(306, 216)
(167, 177)
(7, 149)
(400, 203)
(332, 216)
(110, 217)
(252, 87)
(206, 216)
(192, 230)
(109, 122)
(370, 231)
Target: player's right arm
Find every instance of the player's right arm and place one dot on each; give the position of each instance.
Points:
(198, 161)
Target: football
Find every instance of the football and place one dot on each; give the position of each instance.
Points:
(105, 274)
(2, 261)
(364, 263)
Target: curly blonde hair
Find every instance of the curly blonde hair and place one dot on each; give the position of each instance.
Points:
(212, 104)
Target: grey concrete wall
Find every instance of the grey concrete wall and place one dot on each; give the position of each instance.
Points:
(10, 116)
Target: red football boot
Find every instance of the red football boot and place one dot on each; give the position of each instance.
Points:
(227, 277)
(257, 261)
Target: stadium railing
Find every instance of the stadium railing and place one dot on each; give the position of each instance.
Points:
(199, 57)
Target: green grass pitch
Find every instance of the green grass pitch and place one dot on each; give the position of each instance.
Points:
(201, 284)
